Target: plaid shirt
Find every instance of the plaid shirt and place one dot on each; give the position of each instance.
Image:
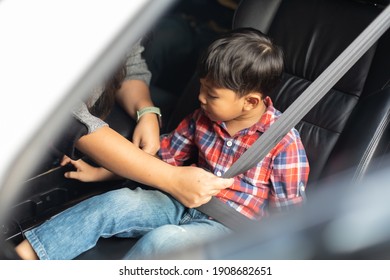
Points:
(274, 183)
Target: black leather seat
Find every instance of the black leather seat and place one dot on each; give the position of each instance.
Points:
(349, 127)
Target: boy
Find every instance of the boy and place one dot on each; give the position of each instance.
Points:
(237, 73)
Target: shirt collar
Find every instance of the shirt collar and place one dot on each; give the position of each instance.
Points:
(267, 119)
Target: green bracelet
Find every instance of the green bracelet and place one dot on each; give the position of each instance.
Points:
(147, 110)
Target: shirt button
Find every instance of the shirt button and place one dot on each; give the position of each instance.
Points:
(219, 174)
(229, 143)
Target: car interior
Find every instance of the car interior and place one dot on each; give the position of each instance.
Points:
(347, 130)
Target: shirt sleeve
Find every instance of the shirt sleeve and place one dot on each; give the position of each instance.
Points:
(136, 66)
(83, 115)
(178, 146)
(289, 175)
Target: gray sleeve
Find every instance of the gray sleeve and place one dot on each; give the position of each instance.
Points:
(90, 121)
(136, 66)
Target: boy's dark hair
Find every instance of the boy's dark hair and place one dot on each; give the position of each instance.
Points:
(243, 60)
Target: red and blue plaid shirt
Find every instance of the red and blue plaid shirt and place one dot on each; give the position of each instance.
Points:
(274, 183)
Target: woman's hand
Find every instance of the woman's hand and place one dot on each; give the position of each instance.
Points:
(85, 172)
(147, 134)
(195, 186)
(132, 96)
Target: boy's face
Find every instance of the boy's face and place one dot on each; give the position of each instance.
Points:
(219, 104)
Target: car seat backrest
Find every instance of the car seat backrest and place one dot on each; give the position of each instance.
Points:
(312, 33)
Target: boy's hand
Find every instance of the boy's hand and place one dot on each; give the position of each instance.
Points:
(84, 172)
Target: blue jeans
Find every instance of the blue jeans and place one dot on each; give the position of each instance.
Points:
(164, 224)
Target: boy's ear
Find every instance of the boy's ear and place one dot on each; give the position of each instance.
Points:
(252, 100)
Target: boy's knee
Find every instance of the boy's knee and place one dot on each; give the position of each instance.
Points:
(159, 242)
(168, 232)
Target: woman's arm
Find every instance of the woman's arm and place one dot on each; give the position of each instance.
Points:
(134, 95)
(192, 186)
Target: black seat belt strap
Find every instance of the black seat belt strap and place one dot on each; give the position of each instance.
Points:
(225, 214)
(296, 111)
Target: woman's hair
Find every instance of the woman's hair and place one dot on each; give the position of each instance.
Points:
(104, 104)
(243, 60)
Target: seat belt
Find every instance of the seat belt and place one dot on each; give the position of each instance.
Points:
(221, 211)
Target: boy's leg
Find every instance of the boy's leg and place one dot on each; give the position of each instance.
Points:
(169, 239)
(123, 213)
